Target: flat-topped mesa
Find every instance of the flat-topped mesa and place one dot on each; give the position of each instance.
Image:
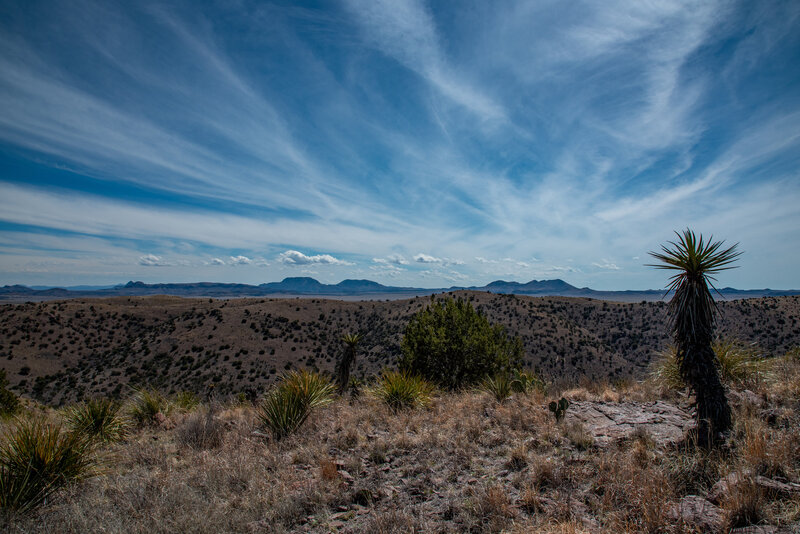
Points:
(534, 286)
(295, 283)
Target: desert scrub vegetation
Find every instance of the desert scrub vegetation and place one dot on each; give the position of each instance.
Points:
(186, 401)
(463, 463)
(453, 345)
(527, 382)
(290, 403)
(498, 386)
(201, 430)
(502, 385)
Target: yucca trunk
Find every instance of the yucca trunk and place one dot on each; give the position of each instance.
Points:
(693, 327)
(343, 366)
(699, 369)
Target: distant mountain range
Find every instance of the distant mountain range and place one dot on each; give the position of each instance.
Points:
(366, 289)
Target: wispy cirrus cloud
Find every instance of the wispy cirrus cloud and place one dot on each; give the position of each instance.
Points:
(501, 133)
(405, 30)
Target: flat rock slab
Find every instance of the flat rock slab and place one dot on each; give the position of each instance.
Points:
(696, 512)
(609, 422)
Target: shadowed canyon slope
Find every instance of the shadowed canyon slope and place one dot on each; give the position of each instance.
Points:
(60, 351)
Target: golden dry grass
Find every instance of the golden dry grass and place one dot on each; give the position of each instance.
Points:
(464, 463)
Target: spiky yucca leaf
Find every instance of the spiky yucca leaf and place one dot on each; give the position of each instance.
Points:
(499, 386)
(692, 307)
(401, 390)
(289, 404)
(738, 365)
(98, 418)
(664, 370)
(312, 386)
(36, 459)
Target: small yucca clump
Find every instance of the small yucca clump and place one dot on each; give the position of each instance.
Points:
(400, 390)
(36, 459)
(99, 418)
(290, 403)
(738, 365)
(664, 370)
(146, 404)
(498, 386)
(526, 382)
(186, 401)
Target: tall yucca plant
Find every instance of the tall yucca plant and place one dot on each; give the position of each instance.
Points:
(351, 342)
(692, 310)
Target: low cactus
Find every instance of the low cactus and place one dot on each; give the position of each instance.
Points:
(559, 408)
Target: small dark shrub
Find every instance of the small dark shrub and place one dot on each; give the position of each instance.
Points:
(9, 403)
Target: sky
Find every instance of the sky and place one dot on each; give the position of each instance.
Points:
(413, 143)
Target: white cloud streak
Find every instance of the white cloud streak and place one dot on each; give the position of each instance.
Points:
(293, 257)
(405, 30)
(151, 260)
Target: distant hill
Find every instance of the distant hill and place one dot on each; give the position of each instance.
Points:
(364, 289)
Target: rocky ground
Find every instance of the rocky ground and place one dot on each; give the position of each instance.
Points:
(617, 463)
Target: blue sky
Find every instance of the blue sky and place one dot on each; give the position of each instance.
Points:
(411, 143)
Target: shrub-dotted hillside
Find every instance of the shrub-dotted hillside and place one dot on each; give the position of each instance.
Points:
(61, 351)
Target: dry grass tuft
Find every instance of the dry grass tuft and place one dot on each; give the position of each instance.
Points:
(201, 430)
(744, 503)
(328, 470)
(490, 509)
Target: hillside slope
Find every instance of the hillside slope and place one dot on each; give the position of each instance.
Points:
(61, 351)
